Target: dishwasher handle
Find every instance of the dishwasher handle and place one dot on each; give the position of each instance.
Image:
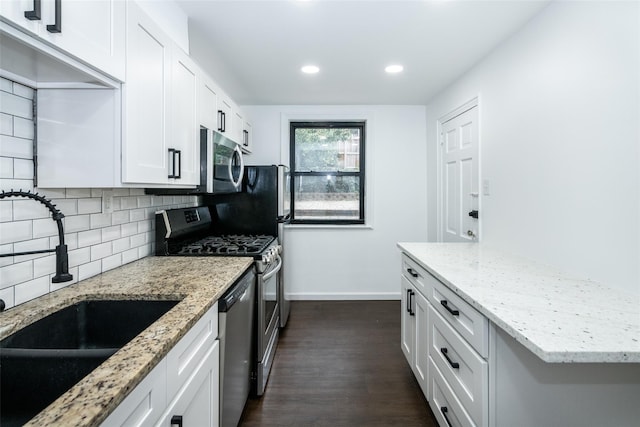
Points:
(273, 272)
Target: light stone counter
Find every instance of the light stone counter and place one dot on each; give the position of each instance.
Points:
(558, 318)
(197, 281)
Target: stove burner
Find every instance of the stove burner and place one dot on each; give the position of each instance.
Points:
(228, 245)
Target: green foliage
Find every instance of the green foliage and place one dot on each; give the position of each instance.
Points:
(317, 149)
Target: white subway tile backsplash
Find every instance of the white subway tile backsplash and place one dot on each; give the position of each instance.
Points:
(144, 226)
(128, 202)
(11, 146)
(23, 128)
(111, 262)
(16, 105)
(15, 231)
(79, 256)
(144, 201)
(136, 215)
(6, 211)
(101, 251)
(6, 167)
(55, 286)
(90, 237)
(23, 91)
(129, 256)
(53, 193)
(23, 169)
(78, 193)
(77, 223)
(24, 209)
(100, 220)
(44, 266)
(96, 192)
(6, 249)
(138, 240)
(129, 229)
(136, 191)
(16, 184)
(144, 251)
(32, 289)
(6, 85)
(110, 233)
(6, 295)
(120, 217)
(121, 245)
(89, 206)
(45, 228)
(119, 192)
(70, 239)
(68, 207)
(89, 270)
(6, 124)
(16, 273)
(31, 245)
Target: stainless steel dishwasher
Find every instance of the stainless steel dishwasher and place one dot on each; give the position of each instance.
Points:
(236, 311)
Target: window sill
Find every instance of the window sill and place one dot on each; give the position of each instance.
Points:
(330, 226)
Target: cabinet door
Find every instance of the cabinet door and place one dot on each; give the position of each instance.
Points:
(207, 103)
(421, 356)
(184, 123)
(146, 92)
(14, 11)
(197, 402)
(225, 116)
(407, 322)
(91, 31)
(238, 127)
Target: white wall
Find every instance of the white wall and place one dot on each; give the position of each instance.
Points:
(560, 118)
(344, 262)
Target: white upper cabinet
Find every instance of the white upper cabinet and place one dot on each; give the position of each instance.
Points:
(91, 31)
(207, 102)
(184, 119)
(225, 116)
(145, 142)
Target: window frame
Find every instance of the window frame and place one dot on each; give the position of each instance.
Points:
(328, 124)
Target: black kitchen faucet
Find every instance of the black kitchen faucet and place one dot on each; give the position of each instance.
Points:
(62, 258)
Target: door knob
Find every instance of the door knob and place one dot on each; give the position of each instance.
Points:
(473, 214)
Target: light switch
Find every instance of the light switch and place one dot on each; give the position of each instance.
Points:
(485, 187)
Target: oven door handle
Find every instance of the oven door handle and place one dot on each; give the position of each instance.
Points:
(270, 274)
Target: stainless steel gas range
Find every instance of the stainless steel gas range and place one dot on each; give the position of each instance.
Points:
(192, 232)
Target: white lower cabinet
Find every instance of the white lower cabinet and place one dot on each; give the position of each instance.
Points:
(445, 340)
(183, 386)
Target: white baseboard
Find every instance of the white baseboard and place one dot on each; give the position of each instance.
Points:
(322, 296)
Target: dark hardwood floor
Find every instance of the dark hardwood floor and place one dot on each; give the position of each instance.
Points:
(339, 363)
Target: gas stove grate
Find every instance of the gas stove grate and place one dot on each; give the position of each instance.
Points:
(228, 245)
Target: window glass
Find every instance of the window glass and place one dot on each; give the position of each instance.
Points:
(327, 175)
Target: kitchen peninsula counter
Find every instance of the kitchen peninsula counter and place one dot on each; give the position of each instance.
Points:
(198, 282)
(557, 317)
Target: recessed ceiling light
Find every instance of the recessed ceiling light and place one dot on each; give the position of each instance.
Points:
(310, 69)
(394, 68)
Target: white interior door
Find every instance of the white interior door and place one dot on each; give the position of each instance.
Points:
(460, 177)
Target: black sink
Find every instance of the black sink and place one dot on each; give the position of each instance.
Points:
(42, 361)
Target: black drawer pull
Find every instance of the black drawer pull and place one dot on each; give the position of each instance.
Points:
(444, 411)
(34, 15)
(444, 351)
(408, 307)
(411, 294)
(445, 304)
(176, 420)
(57, 26)
(412, 272)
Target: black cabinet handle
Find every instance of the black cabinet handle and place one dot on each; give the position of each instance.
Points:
(220, 113)
(473, 214)
(172, 163)
(445, 304)
(224, 121)
(408, 304)
(444, 411)
(412, 272)
(34, 15)
(445, 353)
(245, 141)
(57, 26)
(411, 294)
(179, 174)
(176, 420)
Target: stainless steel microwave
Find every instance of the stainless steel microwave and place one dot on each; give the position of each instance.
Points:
(225, 166)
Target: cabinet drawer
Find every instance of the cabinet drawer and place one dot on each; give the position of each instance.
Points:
(466, 320)
(417, 275)
(444, 404)
(189, 351)
(463, 369)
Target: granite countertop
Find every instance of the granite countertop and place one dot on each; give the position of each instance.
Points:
(557, 317)
(197, 281)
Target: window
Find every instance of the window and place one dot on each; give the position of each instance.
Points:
(327, 172)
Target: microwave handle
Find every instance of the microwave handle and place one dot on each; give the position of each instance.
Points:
(237, 183)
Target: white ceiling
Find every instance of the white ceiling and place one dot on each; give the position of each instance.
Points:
(255, 49)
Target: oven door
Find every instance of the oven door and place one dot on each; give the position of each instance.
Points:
(227, 167)
(268, 322)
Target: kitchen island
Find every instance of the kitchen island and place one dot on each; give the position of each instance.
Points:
(500, 340)
(197, 282)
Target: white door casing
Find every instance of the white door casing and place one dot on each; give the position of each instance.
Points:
(459, 174)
